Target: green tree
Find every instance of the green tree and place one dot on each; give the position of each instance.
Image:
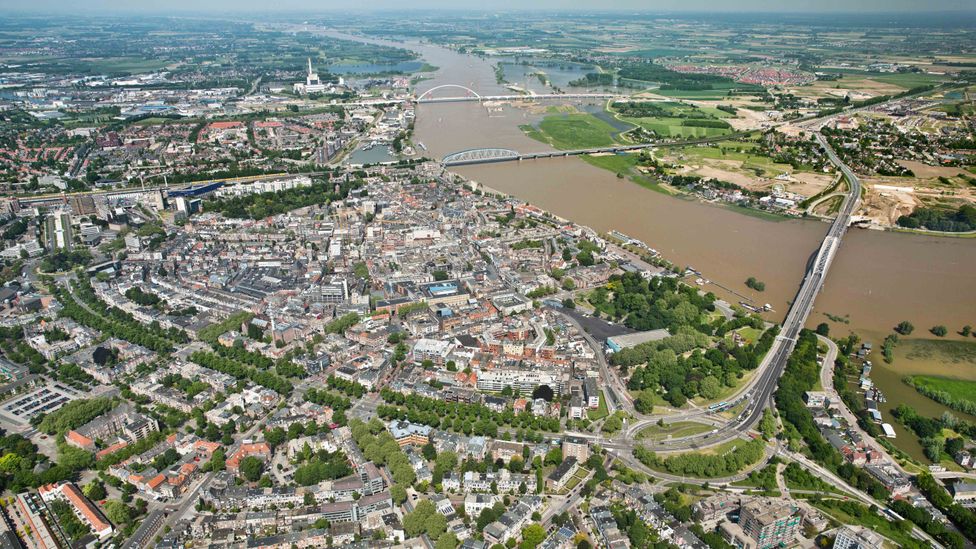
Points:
(398, 493)
(710, 387)
(95, 490)
(823, 329)
(532, 536)
(447, 540)
(251, 468)
(905, 328)
(939, 330)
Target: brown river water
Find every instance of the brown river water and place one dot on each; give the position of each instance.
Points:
(877, 279)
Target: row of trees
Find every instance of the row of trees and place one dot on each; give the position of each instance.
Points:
(72, 415)
(963, 518)
(448, 415)
(705, 465)
(260, 206)
(115, 322)
(943, 397)
(240, 371)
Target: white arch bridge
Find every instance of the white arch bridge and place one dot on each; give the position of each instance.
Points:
(471, 95)
(426, 98)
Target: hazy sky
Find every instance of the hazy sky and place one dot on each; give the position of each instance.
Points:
(649, 5)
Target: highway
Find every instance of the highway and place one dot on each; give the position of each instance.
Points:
(759, 395)
(495, 155)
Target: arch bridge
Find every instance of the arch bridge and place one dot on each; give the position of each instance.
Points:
(480, 156)
(426, 94)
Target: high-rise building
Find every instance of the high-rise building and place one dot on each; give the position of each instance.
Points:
(764, 523)
(576, 447)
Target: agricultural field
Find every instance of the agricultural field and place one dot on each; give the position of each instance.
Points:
(675, 119)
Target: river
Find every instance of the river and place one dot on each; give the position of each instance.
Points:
(877, 280)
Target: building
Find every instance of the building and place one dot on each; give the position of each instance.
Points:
(591, 392)
(626, 341)
(525, 380)
(474, 504)
(576, 447)
(83, 508)
(964, 493)
(122, 422)
(433, 350)
(312, 84)
(407, 433)
(58, 231)
(764, 524)
(260, 450)
(558, 478)
(32, 509)
(857, 537)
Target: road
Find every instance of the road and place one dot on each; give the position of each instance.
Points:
(828, 475)
(827, 381)
(760, 390)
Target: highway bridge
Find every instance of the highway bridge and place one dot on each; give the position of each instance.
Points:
(491, 155)
(759, 395)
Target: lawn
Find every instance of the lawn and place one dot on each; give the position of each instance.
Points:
(838, 511)
(620, 163)
(574, 131)
(677, 429)
(601, 412)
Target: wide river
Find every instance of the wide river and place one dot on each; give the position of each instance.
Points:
(878, 278)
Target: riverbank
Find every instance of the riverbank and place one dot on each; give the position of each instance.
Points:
(920, 357)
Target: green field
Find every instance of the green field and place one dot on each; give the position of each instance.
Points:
(717, 93)
(910, 80)
(677, 429)
(750, 161)
(958, 389)
(672, 118)
(573, 131)
(672, 127)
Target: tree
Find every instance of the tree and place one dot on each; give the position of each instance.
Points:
(768, 424)
(532, 536)
(823, 329)
(544, 392)
(95, 490)
(939, 330)
(429, 451)
(905, 328)
(709, 387)
(398, 493)
(447, 540)
(966, 330)
(644, 402)
(251, 468)
(118, 512)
